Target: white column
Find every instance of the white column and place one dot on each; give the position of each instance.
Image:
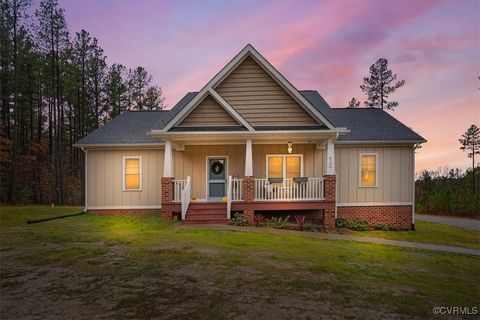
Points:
(248, 159)
(330, 158)
(168, 160)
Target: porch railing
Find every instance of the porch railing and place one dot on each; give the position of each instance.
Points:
(178, 187)
(234, 192)
(182, 194)
(186, 198)
(289, 189)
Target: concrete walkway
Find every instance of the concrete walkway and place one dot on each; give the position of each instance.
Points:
(333, 236)
(465, 223)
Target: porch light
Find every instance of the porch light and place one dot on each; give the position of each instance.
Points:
(289, 149)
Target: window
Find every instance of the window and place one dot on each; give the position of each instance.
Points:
(368, 170)
(284, 166)
(132, 173)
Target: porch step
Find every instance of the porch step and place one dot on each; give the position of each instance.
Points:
(207, 213)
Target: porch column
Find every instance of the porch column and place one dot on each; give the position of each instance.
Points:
(167, 182)
(330, 191)
(330, 158)
(248, 182)
(248, 159)
(168, 160)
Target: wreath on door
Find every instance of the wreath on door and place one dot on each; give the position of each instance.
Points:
(216, 167)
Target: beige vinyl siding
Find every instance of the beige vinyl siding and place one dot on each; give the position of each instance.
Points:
(260, 99)
(193, 162)
(105, 179)
(394, 174)
(209, 113)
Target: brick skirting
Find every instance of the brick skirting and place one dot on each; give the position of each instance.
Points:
(399, 217)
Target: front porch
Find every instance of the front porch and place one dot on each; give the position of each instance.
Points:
(291, 176)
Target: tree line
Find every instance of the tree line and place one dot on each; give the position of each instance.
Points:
(55, 88)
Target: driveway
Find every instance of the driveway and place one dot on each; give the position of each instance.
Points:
(465, 223)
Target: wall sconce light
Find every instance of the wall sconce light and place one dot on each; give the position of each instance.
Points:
(289, 149)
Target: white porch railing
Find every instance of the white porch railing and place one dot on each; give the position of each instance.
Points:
(186, 198)
(234, 192)
(178, 187)
(289, 189)
(182, 194)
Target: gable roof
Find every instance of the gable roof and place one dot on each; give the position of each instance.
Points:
(248, 51)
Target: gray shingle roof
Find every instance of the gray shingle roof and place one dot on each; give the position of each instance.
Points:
(129, 127)
(365, 124)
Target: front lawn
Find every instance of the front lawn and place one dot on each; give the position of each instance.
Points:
(99, 266)
(429, 232)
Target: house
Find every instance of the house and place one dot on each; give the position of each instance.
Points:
(249, 142)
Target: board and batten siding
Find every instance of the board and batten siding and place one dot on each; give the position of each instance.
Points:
(394, 174)
(208, 113)
(105, 179)
(260, 99)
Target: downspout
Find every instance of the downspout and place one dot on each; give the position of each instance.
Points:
(336, 182)
(85, 151)
(413, 191)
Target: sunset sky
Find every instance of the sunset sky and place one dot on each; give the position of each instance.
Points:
(323, 45)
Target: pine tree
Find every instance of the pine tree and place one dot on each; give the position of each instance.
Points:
(154, 99)
(470, 142)
(353, 103)
(381, 83)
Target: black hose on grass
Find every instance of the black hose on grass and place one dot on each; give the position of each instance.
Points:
(57, 217)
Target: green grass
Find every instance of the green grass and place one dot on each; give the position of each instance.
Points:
(99, 266)
(429, 232)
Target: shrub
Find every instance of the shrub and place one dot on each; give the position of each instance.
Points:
(239, 220)
(277, 223)
(258, 219)
(355, 224)
(301, 220)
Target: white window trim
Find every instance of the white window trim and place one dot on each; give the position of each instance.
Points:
(123, 172)
(360, 169)
(284, 169)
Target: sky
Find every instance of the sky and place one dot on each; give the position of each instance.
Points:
(327, 46)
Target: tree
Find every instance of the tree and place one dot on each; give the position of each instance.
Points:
(354, 103)
(116, 90)
(381, 83)
(470, 142)
(153, 98)
(139, 81)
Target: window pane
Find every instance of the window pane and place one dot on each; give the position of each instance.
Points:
(132, 166)
(275, 167)
(132, 174)
(293, 166)
(368, 173)
(132, 181)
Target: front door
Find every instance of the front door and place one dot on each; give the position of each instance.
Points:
(217, 177)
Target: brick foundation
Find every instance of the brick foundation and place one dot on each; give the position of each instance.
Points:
(167, 196)
(250, 215)
(329, 219)
(399, 217)
(248, 189)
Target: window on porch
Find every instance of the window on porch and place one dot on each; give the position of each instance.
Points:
(284, 166)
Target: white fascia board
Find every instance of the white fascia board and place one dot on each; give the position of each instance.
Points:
(229, 67)
(121, 145)
(230, 109)
(404, 142)
(288, 86)
(201, 94)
